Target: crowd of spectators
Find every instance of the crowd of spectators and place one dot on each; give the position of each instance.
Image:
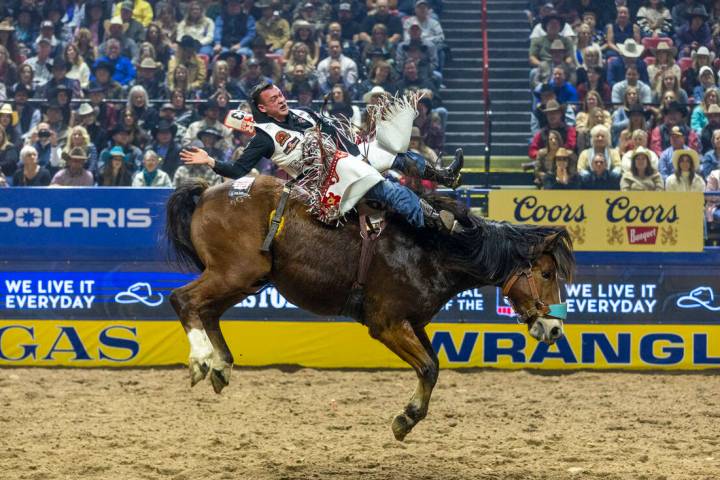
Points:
(108, 93)
(625, 95)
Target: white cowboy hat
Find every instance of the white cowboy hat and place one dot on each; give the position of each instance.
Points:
(630, 49)
(690, 153)
(376, 90)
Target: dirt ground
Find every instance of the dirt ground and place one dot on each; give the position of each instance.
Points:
(310, 424)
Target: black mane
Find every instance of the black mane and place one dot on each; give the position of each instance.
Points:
(490, 251)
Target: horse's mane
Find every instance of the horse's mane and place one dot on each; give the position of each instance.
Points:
(490, 251)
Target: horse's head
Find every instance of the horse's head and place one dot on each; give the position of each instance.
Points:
(534, 291)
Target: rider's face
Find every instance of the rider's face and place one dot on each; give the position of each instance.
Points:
(273, 102)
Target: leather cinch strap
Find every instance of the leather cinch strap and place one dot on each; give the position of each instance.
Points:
(277, 218)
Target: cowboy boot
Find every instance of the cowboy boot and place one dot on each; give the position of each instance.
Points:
(444, 220)
(450, 176)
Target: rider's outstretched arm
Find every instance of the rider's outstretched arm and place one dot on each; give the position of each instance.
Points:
(261, 146)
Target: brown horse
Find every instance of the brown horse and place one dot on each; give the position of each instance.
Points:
(412, 275)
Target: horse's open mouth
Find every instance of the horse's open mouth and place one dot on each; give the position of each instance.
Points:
(546, 329)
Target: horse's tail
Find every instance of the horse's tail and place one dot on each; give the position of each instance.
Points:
(180, 208)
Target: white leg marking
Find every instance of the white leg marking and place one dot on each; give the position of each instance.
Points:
(201, 348)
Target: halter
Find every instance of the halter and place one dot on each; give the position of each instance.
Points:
(540, 308)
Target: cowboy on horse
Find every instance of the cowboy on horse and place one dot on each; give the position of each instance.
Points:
(338, 172)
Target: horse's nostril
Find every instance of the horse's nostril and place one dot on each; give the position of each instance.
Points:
(555, 332)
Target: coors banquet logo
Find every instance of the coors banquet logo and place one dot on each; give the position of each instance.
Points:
(620, 209)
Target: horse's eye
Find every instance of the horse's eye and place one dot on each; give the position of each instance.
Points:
(547, 275)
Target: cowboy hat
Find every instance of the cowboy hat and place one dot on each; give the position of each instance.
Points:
(298, 24)
(6, 25)
(6, 109)
(164, 126)
(115, 21)
(188, 42)
(377, 90)
(630, 49)
(666, 47)
(697, 11)
(640, 150)
(557, 44)
(706, 69)
(694, 157)
(149, 63)
(78, 152)
(563, 153)
(209, 131)
(553, 15)
(552, 106)
(703, 51)
(103, 64)
(85, 109)
(713, 109)
(117, 151)
(675, 106)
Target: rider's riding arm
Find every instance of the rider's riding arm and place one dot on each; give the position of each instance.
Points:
(261, 146)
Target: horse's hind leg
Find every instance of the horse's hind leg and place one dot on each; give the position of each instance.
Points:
(199, 306)
(412, 345)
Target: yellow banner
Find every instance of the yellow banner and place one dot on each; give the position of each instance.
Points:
(610, 221)
(347, 345)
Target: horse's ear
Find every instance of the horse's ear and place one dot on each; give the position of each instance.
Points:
(548, 243)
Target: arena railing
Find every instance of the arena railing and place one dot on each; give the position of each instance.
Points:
(486, 95)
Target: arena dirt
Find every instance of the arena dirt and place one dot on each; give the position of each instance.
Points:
(310, 424)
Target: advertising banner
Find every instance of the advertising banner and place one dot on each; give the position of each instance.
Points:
(619, 316)
(82, 223)
(610, 221)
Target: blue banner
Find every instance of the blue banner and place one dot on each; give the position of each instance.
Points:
(50, 224)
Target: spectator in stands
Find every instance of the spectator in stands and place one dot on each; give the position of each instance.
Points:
(165, 146)
(596, 116)
(115, 172)
(594, 79)
(599, 177)
(630, 52)
(411, 79)
(379, 75)
(540, 47)
(58, 79)
(674, 115)
(187, 55)
(299, 55)
(707, 81)
(702, 57)
(234, 28)
(432, 133)
(151, 175)
(334, 78)
(150, 77)
(31, 174)
(431, 29)
(167, 20)
(632, 79)
(211, 119)
(706, 135)
(303, 32)
(562, 174)
(546, 157)
(382, 15)
(127, 46)
(670, 83)
(351, 29)
(695, 33)
(45, 142)
(155, 36)
(274, 29)
(584, 40)
(554, 115)
(197, 26)
(699, 119)
(8, 68)
(641, 176)
(132, 155)
(315, 13)
(79, 70)
(681, 12)
(184, 173)
(589, 18)
(28, 115)
(654, 19)
(139, 103)
(9, 41)
(664, 55)
(123, 70)
(348, 68)
(379, 46)
(564, 91)
(684, 178)
(544, 71)
(599, 143)
(183, 114)
(26, 27)
(41, 62)
(639, 138)
(139, 9)
(677, 142)
(86, 48)
(78, 137)
(712, 203)
(417, 145)
(711, 160)
(8, 155)
(8, 121)
(133, 28)
(138, 136)
(268, 66)
(74, 174)
(620, 31)
(637, 118)
(253, 76)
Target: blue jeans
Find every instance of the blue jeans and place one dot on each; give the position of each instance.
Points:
(399, 199)
(404, 161)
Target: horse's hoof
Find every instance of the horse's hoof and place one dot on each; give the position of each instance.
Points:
(198, 371)
(401, 426)
(220, 378)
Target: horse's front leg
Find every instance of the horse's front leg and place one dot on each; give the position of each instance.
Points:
(413, 346)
